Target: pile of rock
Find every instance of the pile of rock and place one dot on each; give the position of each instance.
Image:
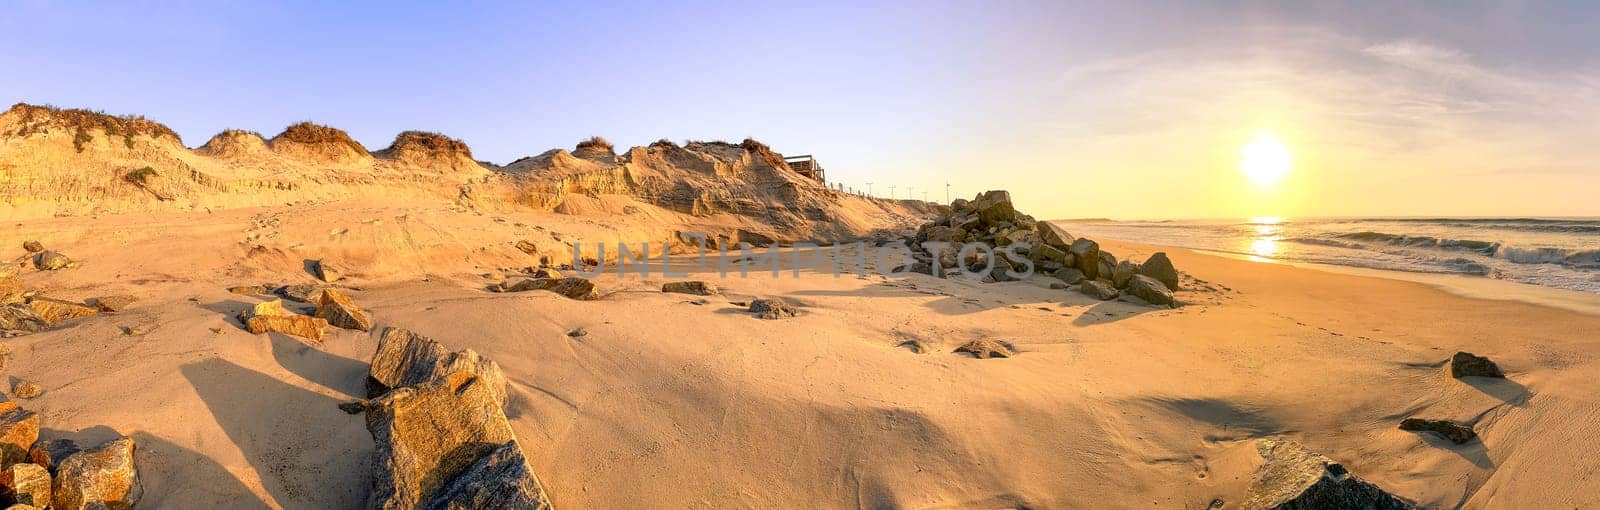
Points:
(991, 220)
(24, 311)
(442, 437)
(333, 308)
(56, 473)
(550, 279)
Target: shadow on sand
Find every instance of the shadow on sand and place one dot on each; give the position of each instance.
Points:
(172, 476)
(1508, 391)
(341, 374)
(308, 453)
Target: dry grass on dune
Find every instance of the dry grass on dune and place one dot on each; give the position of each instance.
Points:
(37, 119)
(595, 143)
(315, 134)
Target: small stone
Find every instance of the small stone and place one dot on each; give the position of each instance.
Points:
(339, 311)
(98, 478)
(578, 333)
(32, 246)
(132, 331)
(251, 290)
(25, 484)
(50, 261)
(915, 346)
(771, 309)
(985, 349)
(1466, 364)
(527, 247)
(1452, 431)
(112, 303)
(326, 271)
(1098, 289)
(698, 288)
(25, 389)
(304, 293)
(1058, 286)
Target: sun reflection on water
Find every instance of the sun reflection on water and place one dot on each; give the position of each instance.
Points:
(1265, 245)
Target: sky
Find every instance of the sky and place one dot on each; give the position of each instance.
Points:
(1126, 110)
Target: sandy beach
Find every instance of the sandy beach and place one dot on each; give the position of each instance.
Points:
(671, 400)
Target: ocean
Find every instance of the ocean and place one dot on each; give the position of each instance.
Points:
(1560, 253)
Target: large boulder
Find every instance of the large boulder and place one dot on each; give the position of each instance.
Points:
(1042, 252)
(941, 234)
(1294, 478)
(1150, 290)
(272, 316)
(1069, 275)
(1160, 267)
(1466, 364)
(1086, 255)
(1452, 431)
(696, 287)
(19, 428)
(1053, 235)
(1098, 289)
(1122, 273)
(339, 311)
(98, 478)
(50, 453)
(404, 358)
(994, 207)
(25, 484)
(51, 260)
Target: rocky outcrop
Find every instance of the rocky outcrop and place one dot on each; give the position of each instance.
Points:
(340, 311)
(1466, 364)
(985, 349)
(698, 288)
(1294, 478)
(1452, 431)
(98, 478)
(443, 441)
(771, 309)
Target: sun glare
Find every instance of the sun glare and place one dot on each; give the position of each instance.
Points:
(1265, 160)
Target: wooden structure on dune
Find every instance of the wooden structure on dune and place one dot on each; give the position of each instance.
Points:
(807, 166)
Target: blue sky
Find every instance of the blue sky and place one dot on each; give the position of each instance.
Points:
(1083, 109)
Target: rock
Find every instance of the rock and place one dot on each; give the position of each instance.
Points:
(50, 261)
(994, 207)
(1122, 273)
(501, 479)
(578, 333)
(1097, 289)
(572, 287)
(698, 288)
(304, 293)
(545, 272)
(1070, 275)
(1053, 235)
(1455, 432)
(25, 389)
(339, 311)
(1160, 267)
(404, 358)
(959, 204)
(112, 303)
(1058, 286)
(527, 247)
(19, 429)
(251, 290)
(32, 246)
(1086, 253)
(11, 289)
(271, 316)
(50, 453)
(326, 271)
(985, 349)
(1105, 269)
(20, 317)
(941, 234)
(771, 309)
(1150, 290)
(1466, 364)
(1043, 252)
(98, 478)
(25, 484)
(55, 311)
(1293, 478)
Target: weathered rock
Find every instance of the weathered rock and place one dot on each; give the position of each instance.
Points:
(1086, 254)
(98, 478)
(1105, 269)
(25, 389)
(545, 272)
(572, 287)
(304, 293)
(50, 453)
(994, 207)
(19, 429)
(527, 247)
(1053, 235)
(50, 261)
(112, 303)
(1160, 267)
(404, 358)
(272, 316)
(25, 484)
(985, 349)
(1098, 289)
(252, 290)
(55, 311)
(1122, 273)
(1454, 432)
(326, 271)
(1070, 275)
(1058, 286)
(771, 309)
(1150, 290)
(11, 289)
(1466, 364)
(941, 234)
(1294, 478)
(20, 317)
(1042, 252)
(698, 288)
(501, 479)
(32, 246)
(339, 311)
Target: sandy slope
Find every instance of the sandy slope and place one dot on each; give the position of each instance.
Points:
(668, 403)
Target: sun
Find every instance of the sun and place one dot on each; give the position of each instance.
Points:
(1265, 160)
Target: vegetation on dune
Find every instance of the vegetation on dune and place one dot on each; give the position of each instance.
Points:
(37, 119)
(314, 134)
(430, 142)
(765, 153)
(596, 143)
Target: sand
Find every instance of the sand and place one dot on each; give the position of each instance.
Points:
(669, 402)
